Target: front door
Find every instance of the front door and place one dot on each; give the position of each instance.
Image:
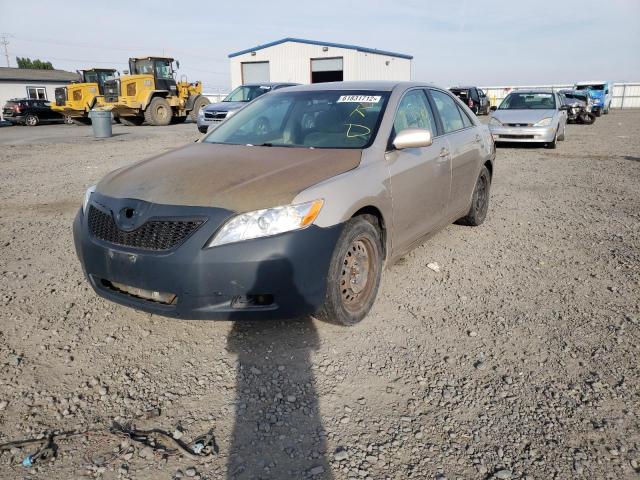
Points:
(420, 177)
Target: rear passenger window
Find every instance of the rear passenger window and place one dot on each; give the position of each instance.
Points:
(448, 110)
(414, 112)
(466, 121)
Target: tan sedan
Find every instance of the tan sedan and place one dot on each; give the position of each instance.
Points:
(290, 207)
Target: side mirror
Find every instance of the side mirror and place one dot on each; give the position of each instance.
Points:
(177, 63)
(493, 108)
(412, 138)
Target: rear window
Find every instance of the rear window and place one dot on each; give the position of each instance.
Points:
(460, 93)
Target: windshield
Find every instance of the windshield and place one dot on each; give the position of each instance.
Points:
(528, 101)
(159, 68)
(97, 77)
(246, 93)
(575, 96)
(318, 119)
(590, 87)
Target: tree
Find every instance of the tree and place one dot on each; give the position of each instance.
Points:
(24, 62)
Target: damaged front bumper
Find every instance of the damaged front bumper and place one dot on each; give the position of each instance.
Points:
(282, 276)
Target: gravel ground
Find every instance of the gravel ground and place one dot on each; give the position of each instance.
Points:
(519, 359)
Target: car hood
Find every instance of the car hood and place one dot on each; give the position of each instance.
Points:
(224, 106)
(236, 177)
(522, 116)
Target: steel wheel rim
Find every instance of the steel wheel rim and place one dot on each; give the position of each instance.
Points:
(162, 112)
(357, 274)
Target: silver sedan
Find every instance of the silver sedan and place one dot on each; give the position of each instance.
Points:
(532, 116)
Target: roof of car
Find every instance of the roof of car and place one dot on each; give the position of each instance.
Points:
(38, 75)
(533, 90)
(374, 85)
(322, 44)
(267, 84)
(461, 88)
(593, 82)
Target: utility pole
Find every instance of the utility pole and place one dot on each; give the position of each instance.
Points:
(4, 42)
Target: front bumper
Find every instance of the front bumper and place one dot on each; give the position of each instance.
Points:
(523, 134)
(289, 270)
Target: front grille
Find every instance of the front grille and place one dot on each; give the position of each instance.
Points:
(519, 124)
(521, 137)
(61, 96)
(152, 235)
(215, 115)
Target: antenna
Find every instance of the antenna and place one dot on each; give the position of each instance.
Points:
(4, 42)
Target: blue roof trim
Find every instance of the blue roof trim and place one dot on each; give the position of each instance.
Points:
(322, 44)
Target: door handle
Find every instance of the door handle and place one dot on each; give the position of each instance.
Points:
(444, 152)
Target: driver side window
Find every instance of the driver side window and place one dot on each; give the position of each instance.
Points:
(414, 112)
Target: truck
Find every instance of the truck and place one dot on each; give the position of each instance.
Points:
(601, 92)
(148, 92)
(75, 100)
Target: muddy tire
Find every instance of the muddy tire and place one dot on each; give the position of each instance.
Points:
(31, 120)
(158, 112)
(131, 121)
(197, 106)
(480, 200)
(354, 272)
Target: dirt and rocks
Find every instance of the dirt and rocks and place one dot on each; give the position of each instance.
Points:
(519, 358)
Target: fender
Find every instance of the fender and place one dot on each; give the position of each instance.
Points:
(150, 95)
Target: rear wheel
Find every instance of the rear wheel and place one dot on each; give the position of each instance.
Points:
(131, 121)
(31, 120)
(200, 103)
(159, 112)
(587, 118)
(354, 272)
(480, 200)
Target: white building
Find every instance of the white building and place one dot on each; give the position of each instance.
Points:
(32, 83)
(308, 61)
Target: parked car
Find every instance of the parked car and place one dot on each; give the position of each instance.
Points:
(29, 111)
(215, 113)
(290, 207)
(531, 116)
(602, 94)
(579, 105)
(474, 98)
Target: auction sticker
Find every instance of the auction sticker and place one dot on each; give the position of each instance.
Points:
(359, 99)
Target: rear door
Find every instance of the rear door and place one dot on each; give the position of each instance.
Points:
(420, 177)
(466, 146)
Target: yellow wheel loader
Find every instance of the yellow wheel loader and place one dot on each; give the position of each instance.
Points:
(76, 99)
(149, 93)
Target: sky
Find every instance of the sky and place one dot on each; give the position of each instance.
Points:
(481, 42)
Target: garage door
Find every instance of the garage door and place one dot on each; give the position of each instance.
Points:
(326, 70)
(255, 72)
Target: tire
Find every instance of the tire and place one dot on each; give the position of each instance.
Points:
(597, 113)
(562, 136)
(475, 109)
(31, 120)
(177, 120)
(197, 105)
(131, 121)
(552, 145)
(350, 293)
(587, 118)
(479, 201)
(158, 112)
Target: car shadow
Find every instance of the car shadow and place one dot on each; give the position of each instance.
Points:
(277, 431)
(633, 159)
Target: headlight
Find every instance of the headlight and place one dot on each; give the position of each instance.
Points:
(201, 112)
(545, 122)
(264, 223)
(230, 112)
(494, 121)
(87, 197)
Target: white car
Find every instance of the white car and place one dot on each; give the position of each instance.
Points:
(531, 116)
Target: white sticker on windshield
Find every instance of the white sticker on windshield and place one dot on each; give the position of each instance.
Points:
(359, 99)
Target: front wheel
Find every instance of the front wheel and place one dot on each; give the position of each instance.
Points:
(480, 200)
(31, 120)
(354, 272)
(158, 112)
(587, 118)
(551, 145)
